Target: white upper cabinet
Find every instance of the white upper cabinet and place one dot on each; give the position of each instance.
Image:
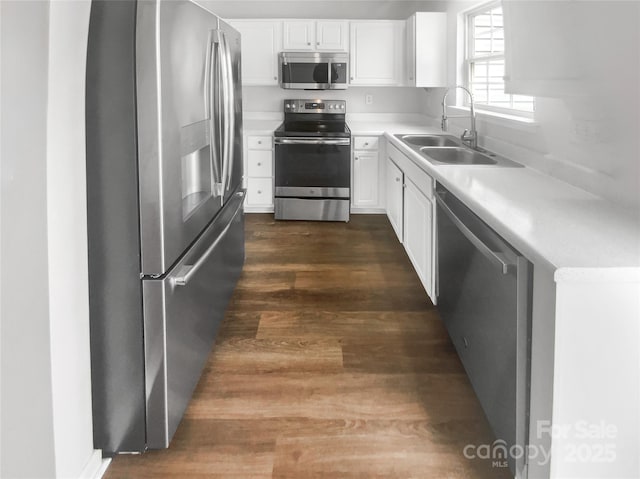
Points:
(427, 49)
(261, 42)
(377, 52)
(320, 35)
(299, 35)
(332, 36)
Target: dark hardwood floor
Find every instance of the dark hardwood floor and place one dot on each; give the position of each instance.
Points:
(331, 363)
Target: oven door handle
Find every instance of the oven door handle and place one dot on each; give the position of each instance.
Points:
(312, 141)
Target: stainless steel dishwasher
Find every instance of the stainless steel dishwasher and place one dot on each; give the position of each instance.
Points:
(484, 299)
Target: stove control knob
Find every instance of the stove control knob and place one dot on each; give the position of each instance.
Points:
(330, 107)
(287, 105)
(342, 107)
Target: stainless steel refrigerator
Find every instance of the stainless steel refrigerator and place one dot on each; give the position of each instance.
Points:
(165, 209)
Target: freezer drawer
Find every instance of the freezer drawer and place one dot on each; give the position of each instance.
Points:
(182, 312)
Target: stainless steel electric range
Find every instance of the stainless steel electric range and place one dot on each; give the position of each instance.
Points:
(313, 162)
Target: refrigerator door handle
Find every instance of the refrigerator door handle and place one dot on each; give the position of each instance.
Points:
(189, 270)
(231, 114)
(215, 97)
(227, 113)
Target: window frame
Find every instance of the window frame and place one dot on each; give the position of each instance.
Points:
(468, 62)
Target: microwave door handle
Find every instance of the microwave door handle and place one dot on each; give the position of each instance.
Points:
(329, 73)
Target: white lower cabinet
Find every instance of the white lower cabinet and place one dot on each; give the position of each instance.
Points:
(394, 189)
(418, 233)
(367, 193)
(365, 179)
(259, 173)
(411, 211)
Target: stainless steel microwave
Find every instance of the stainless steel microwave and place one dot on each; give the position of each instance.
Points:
(313, 70)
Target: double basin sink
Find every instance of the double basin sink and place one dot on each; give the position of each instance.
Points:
(449, 150)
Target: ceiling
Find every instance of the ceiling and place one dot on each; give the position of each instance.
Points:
(346, 9)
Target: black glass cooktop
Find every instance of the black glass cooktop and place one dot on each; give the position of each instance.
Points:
(319, 128)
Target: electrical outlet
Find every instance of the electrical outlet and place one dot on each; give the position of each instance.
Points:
(368, 99)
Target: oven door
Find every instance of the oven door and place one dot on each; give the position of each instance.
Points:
(313, 167)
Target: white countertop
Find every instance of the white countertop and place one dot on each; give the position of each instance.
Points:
(579, 235)
(261, 126)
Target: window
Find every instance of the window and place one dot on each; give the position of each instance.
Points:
(485, 63)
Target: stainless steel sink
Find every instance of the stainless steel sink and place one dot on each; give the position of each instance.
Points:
(443, 150)
(429, 140)
(457, 156)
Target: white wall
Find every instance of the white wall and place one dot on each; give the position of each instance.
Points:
(587, 130)
(46, 404)
(27, 447)
(67, 238)
(385, 99)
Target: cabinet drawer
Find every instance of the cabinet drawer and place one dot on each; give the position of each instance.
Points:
(259, 142)
(365, 143)
(259, 191)
(259, 163)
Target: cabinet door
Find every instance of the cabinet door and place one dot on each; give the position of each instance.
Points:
(377, 52)
(261, 42)
(299, 35)
(430, 47)
(332, 36)
(411, 51)
(365, 178)
(394, 181)
(418, 233)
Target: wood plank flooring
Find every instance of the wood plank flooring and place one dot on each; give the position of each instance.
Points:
(331, 363)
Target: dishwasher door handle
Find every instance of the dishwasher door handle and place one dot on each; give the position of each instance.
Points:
(496, 258)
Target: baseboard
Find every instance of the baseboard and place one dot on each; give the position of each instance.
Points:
(258, 209)
(368, 211)
(95, 467)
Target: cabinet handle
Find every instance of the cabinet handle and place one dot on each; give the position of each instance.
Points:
(317, 43)
(259, 163)
(309, 43)
(356, 158)
(351, 78)
(366, 144)
(397, 179)
(259, 192)
(259, 142)
(275, 78)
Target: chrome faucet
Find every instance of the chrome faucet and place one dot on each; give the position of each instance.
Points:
(470, 137)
